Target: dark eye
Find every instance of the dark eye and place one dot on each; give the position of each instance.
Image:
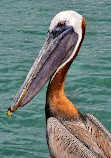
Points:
(61, 24)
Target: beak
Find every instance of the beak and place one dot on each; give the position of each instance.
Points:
(55, 51)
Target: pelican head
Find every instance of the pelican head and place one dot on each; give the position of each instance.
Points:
(63, 40)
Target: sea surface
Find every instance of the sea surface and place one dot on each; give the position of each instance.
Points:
(23, 28)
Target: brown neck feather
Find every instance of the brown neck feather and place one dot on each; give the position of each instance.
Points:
(57, 101)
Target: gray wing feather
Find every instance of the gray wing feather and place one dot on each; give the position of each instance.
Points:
(99, 133)
(63, 144)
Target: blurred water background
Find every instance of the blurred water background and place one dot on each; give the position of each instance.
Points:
(23, 28)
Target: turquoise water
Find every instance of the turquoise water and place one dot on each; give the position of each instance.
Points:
(23, 27)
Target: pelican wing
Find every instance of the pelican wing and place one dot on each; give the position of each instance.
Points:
(63, 144)
(99, 133)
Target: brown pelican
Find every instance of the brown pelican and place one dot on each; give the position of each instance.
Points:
(69, 133)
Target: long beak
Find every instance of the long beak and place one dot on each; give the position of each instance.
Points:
(54, 52)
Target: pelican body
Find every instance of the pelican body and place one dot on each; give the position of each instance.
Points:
(69, 133)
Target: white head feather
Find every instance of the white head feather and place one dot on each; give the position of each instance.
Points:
(71, 18)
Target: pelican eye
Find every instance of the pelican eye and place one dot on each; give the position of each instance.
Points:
(61, 24)
(59, 28)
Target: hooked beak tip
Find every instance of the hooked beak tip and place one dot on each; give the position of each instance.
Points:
(9, 112)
